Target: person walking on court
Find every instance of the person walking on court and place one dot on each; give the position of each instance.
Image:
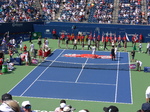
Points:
(105, 45)
(75, 44)
(39, 42)
(133, 56)
(89, 43)
(112, 53)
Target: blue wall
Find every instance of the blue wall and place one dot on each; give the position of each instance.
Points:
(86, 28)
(17, 30)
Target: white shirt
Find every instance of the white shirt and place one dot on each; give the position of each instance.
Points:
(5, 108)
(32, 46)
(140, 63)
(147, 93)
(148, 45)
(46, 42)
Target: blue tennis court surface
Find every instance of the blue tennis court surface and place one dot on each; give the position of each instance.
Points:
(102, 85)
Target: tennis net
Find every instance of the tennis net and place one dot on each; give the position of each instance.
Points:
(104, 66)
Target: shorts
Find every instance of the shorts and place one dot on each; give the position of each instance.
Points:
(0, 67)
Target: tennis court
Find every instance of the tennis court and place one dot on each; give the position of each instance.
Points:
(76, 81)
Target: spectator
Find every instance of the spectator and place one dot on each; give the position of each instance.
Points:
(147, 94)
(145, 107)
(68, 108)
(85, 110)
(111, 109)
(62, 105)
(8, 104)
(6, 97)
(26, 106)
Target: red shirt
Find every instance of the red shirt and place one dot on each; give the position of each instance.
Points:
(103, 39)
(54, 32)
(119, 38)
(25, 48)
(141, 37)
(40, 53)
(107, 38)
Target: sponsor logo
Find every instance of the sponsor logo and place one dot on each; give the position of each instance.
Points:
(87, 56)
(47, 31)
(17, 24)
(132, 66)
(34, 61)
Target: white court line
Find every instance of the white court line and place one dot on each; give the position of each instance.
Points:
(116, 92)
(77, 82)
(26, 76)
(81, 70)
(130, 80)
(42, 72)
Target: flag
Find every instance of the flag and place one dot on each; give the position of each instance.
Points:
(3, 41)
(94, 37)
(36, 35)
(127, 37)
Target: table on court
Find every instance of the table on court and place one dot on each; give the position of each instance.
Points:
(103, 85)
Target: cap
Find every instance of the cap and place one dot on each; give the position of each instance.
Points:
(62, 105)
(111, 109)
(6, 96)
(82, 111)
(146, 106)
(26, 104)
(68, 108)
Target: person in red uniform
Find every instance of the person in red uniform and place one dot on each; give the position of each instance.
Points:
(106, 39)
(54, 34)
(25, 48)
(140, 38)
(110, 39)
(115, 39)
(41, 54)
(63, 38)
(72, 38)
(124, 39)
(103, 39)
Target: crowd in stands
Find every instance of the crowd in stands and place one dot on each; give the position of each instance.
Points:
(101, 11)
(8, 104)
(73, 11)
(50, 8)
(18, 11)
(130, 12)
(96, 11)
